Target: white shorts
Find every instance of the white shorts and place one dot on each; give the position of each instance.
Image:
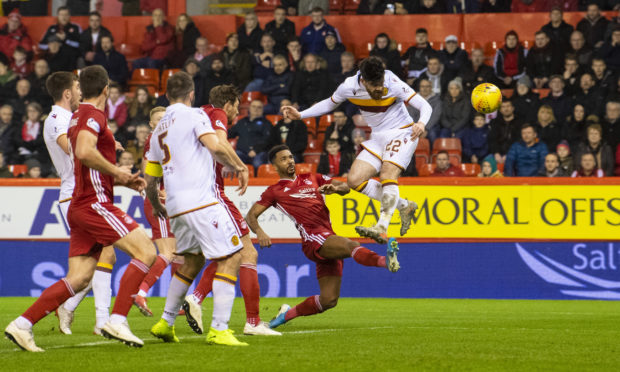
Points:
(208, 230)
(394, 146)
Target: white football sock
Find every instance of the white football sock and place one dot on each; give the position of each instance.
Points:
(117, 319)
(373, 190)
(223, 298)
(102, 290)
(23, 323)
(388, 204)
(176, 293)
(72, 303)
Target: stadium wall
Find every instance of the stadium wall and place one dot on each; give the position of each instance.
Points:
(470, 240)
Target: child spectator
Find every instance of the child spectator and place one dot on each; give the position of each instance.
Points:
(475, 140)
(31, 144)
(444, 168)
(34, 169)
(138, 109)
(552, 167)
(566, 159)
(333, 162)
(489, 167)
(20, 65)
(115, 107)
(588, 167)
(510, 61)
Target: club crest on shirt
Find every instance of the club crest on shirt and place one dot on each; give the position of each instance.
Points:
(308, 182)
(235, 240)
(127, 219)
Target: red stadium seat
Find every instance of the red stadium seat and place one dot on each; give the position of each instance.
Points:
(507, 92)
(145, 76)
(336, 7)
(130, 51)
(500, 167)
(265, 6)
(423, 149)
(313, 147)
(420, 160)
(165, 75)
(425, 170)
(350, 6)
(132, 90)
(325, 121)
(320, 138)
(312, 158)
(451, 145)
(542, 92)
(18, 169)
(305, 168)
(248, 97)
(470, 170)
(267, 171)
(311, 125)
(274, 119)
(490, 49)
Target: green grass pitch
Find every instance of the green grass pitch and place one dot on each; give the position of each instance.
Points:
(358, 335)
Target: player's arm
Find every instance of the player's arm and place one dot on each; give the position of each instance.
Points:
(252, 219)
(320, 108)
(223, 138)
(220, 151)
(63, 142)
(418, 102)
(152, 193)
(335, 187)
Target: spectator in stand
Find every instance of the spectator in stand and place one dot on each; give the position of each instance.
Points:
(489, 168)
(90, 39)
(572, 72)
(557, 29)
(341, 129)
(527, 156)
(13, 34)
(20, 65)
(594, 144)
(186, 35)
(543, 60)
(333, 161)
(294, 134)
(444, 168)
(495, 6)
(359, 136)
(67, 33)
(610, 50)
(332, 52)
(157, 43)
(4, 170)
(452, 57)
(475, 71)
(311, 84)
(37, 84)
(138, 110)
(505, 130)
(455, 113)
(278, 85)
(611, 123)
(113, 62)
(462, 6)
(435, 74)
(238, 61)
(475, 140)
(33, 167)
(136, 147)
(416, 57)
(192, 67)
(525, 101)
(201, 53)
(552, 167)
(281, 28)
(262, 63)
(22, 99)
(128, 159)
(58, 56)
(291, 7)
(312, 37)
(593, 26)
(8, 79)
(430, 7)
(588, 167)
(579, 49)
(9, 132)
(549, 130)
(604, 79)
(509, 61)
(254, 136)
(589, 96)
(31, 144)
(250, 34)
(218, 74)
(615, 96)
(116, 108)
(559, 101)
(294, 54)
(565, 158)
(347, 68)
(386, 49)
(528, 6)
(432, 128)
(575, 127)
(118, 134)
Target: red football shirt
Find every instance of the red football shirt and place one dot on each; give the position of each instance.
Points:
(219, 121)
(91, 186)
(302, 202)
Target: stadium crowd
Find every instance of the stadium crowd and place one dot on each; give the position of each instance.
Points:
(560, 115)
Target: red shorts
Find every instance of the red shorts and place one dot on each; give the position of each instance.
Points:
(96, 226)
(160, 227)
(311, 246)
(235, 215)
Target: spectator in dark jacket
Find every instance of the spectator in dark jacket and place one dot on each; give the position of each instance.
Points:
(14, 34)
(452, 57)
(456, 111)
(9, 134)
(431, 7)
(185, 35)
(610, 50)
(604, 79)
(37, 84)
(611, 123)
(312, 37)
(113, 62)
(262, 63)
(347, 68)
(433, 128)
(549, 130)
(509, 61)
(416, 57)
(66, 32)
(525, 101)
(334, 162)
(385, 49)
(579, 49)
(202, 86)
(90, 39)
(278, 85)
(552, 167)
(558, 100)
(475, 140)
(58, 55)
(594, 144)
(571, 73)
(543, 60)
(505, 130)
(311, 84)
(238, 60)
(281, 28)
(157, 43)
(295, 56)
(332, 52)
(341, 130)
(292, 133)
(374, 7)
(435, 74)
(476, 71)
(250, 34)
(593, 26)
(575, 126)
(589, 96)
(254, 136)
(4, 170)
(526, 156)
(218, 74)
(23, 97)
(557, 29)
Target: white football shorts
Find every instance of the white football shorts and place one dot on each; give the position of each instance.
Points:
(394, 146)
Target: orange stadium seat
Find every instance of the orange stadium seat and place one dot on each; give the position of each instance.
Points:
(265, 6)
(451, 145)
(145, 76)
(420, 160)
(423, 149)
(130, 51)
(312, 147)
(543, 92)
(274, 119)
(325, 122)
(305, 168)
(248, 97)
(320, 138)
(490, 49)
(165, 75)
(312, 159)
(425, 170)
(336, 7)
(267, 171)
(470, 170)
(18, 169)
(508, 92)
(311, 125)
(350, 6)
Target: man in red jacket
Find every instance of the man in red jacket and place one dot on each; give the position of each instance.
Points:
(13, 34)
(444, 168)
(157, 43)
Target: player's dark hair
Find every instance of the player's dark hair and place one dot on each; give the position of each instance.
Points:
(372, 69)
(275, 150)
(93, 80)
(222, 94)
(58, 82)
(179, 86)
(109, 37)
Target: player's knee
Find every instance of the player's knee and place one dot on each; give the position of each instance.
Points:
(78, 281)
(249, 255)
(148, 254)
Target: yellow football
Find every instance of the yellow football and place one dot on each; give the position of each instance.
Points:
(486, 98)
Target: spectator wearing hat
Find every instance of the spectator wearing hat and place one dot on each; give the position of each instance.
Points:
(33, 167)
(543, 60)
(4, 170)
(333, 50)
(312, 37)
(277, 86)
(579, 49)
(432, 129)
(475, 71)
(281, 28)
(113, 62)
(489, 167)
(552, 167)
(593, 26)
(525, 101)
(610, 50)
(65, 32)
(611, 123)
(293, 133)
(560, 102)
(8, 79)
(416, 57)
(588, 167)
(58, 56)
(557, 29)
(443, 167)
(218, 74)
(14, 34)
(505, 130)
(193, 68)
(157, 43)
(566, 159)
(456, 111)
(594, 144)
(90, 39)
(509, 62)
(453, 58)
(237, 60)
(476, 140)
(549, 130)
(527, 156)
(250, 34)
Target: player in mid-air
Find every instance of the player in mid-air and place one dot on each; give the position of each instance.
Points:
(381, 97)
(223, 109)
(94, 220)
(299, 196)
(183, 150)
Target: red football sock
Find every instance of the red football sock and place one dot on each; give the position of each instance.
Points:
(49, 300)
(250, 289)
(134, 274)
(206, 282)
(174, 267)
(154, 273)
(366, 257)
(309, 306)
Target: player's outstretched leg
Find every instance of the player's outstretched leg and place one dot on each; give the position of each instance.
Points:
(338, 247)
(102, 288)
